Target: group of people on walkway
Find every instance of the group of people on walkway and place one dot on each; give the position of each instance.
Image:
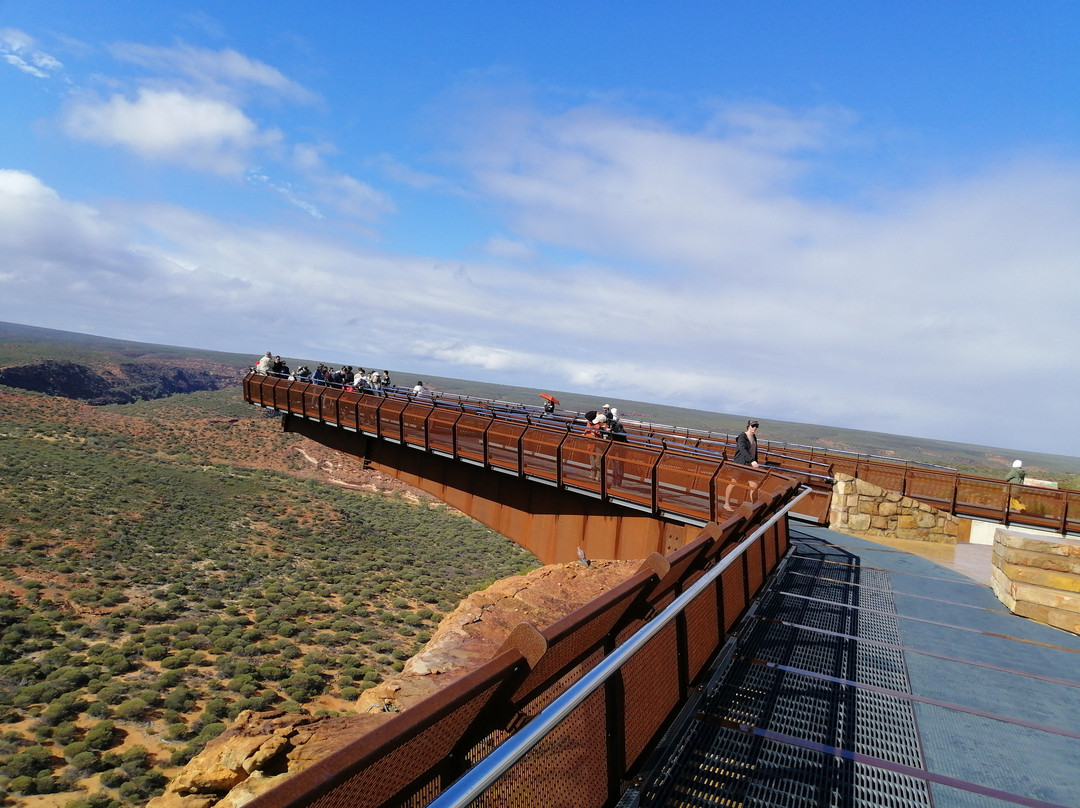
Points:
(346, 376)
(605, 424)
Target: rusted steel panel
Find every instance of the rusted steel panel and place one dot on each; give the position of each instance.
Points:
(312, 405)
(932, 487)
(683, 484)
(652, 690)
(630, 473)
(469, 432)
(882, 475)
(581, 457)
(367, 414)
(502, 445)
(346, 409)
(296, 397)
(440, 425)
(414, 423)
(540, 452)
(390, 410)
(1043, 507)
(985, 498)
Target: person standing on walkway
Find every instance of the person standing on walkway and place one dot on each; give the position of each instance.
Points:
(746, 445)
(746, 455)
(1016, 474)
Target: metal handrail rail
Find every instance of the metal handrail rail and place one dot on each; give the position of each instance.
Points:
(473, 783)
(1064, 520)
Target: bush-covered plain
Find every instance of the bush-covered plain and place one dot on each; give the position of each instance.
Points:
(150, 592)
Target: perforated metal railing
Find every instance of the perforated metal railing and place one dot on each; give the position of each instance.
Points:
(693, 486)
(517, 438)
(614, 672)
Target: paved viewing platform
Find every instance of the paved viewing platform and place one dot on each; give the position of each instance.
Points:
(868, 675)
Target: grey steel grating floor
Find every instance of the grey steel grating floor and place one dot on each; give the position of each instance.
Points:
(784, 721)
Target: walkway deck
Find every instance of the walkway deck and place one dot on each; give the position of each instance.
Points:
(871, 676)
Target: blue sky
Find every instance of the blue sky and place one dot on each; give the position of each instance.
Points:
(855, 213)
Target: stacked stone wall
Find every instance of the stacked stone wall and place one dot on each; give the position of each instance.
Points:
(860, 508)
(1038, 578)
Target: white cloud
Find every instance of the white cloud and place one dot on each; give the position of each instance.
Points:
(199, 132)
(701, 276)
(20, 51)
(213, 71)
(508, 249)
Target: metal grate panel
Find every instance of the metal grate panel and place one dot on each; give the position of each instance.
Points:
(798, 675)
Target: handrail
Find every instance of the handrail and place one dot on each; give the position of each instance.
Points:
(471, 784)
(322, 402)
(941, 487)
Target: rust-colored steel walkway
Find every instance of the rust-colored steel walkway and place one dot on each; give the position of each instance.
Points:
(547, 482)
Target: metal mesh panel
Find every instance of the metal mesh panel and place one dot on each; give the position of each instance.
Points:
(502, 447)
(389, 418)
(441, 430)
(797, 687)
(930, 486)
(415, 763)
(581, 461)
(540, 449)
(567, 769)
(981, 496)
(632, 478)
(470, 436)
(591, 630)
(346, 410)
(755, 573)
(650, 691)
(890, 478)
(683, 483)
(733, 589)
(310, 407)
(296, 398)
(703, 631)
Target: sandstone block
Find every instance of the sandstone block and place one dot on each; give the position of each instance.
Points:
(863, 488)
(859, 521)
(1044, 587)
(1066, 548)
(926, 520)
(1046, 561)
(888, 508)
(1067, 621)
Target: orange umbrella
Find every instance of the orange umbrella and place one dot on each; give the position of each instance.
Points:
(549, 397)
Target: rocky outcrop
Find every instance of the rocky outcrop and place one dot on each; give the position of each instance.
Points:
(123, 383)
(261, 749)
(863, 509)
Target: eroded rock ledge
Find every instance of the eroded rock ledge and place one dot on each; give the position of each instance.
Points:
(261, 749)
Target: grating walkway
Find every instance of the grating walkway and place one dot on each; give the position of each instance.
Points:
(868, 676)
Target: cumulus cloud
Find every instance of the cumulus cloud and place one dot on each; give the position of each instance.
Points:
(199, 132)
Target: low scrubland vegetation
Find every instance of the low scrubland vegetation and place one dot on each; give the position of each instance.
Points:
(150, 591)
